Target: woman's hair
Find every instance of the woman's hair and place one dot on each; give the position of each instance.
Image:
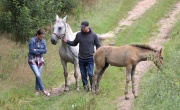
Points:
(40, 31)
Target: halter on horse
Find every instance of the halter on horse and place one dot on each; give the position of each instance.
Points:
(62, 36)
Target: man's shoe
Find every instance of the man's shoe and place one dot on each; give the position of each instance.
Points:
(86, 88)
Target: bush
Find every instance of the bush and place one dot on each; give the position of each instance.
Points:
(22, 18)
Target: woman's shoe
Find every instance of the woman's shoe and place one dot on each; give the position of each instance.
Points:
(46, 93)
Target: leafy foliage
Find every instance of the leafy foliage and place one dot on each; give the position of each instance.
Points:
(23, 17)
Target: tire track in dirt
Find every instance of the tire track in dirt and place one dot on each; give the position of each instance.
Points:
(134, 14)
(166, 27)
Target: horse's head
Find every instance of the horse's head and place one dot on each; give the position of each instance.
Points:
(158, 60)
(59, 29)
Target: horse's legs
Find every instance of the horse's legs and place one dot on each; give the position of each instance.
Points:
(133, 80)
(64, 63)
(128, 78)
(76, 74)
(100, 76)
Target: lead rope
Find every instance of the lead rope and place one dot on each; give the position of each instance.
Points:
(71, 51)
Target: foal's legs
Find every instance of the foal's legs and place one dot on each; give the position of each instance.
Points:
(100, 76)
(64, 63)
(128, 78)
(76, 74)
(133, 80)
(94, 79)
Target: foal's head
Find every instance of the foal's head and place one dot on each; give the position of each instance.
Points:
(158, 59)
(153, 54)
(59, 29)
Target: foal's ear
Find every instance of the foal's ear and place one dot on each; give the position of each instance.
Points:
(64, 19)
(57, 17)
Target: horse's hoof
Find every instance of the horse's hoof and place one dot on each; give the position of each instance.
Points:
(86, 88)
(135, 97)
(127, 98)
(96, 92)
(77, 89)
(66, 89)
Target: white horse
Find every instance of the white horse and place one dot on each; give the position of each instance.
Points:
(69, 53)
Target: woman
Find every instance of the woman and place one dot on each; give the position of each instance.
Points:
(37, 47)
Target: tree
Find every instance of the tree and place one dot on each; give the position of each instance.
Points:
(22, 18)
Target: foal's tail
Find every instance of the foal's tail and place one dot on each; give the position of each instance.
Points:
(105, 36)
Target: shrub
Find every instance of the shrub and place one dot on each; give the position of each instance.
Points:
(22, 18)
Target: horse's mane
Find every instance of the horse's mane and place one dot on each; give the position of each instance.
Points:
(143, 46)
(69, 27)
(71, 32)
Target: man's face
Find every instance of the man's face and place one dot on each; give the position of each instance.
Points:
(86, 29)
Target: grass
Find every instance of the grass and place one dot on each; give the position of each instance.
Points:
(18, 85)
(161, 91)
(104, 15)
(17, 80)
(81, 99)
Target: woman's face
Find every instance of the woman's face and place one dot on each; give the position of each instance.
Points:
(40, 37)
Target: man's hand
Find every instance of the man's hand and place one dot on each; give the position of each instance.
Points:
(64, 39)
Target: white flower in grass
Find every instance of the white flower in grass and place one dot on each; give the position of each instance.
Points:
(73, 105)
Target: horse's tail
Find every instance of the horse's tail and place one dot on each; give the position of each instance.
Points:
(106, 35)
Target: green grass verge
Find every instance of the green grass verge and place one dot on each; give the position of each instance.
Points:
(161, 91)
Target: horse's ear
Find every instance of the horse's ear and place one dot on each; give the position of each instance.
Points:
(57, 17)
(64, 19)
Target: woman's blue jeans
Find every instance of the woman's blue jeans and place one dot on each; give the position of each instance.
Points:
(86, 68)
(37, 71)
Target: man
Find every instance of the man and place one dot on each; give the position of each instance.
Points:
(87, 39)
